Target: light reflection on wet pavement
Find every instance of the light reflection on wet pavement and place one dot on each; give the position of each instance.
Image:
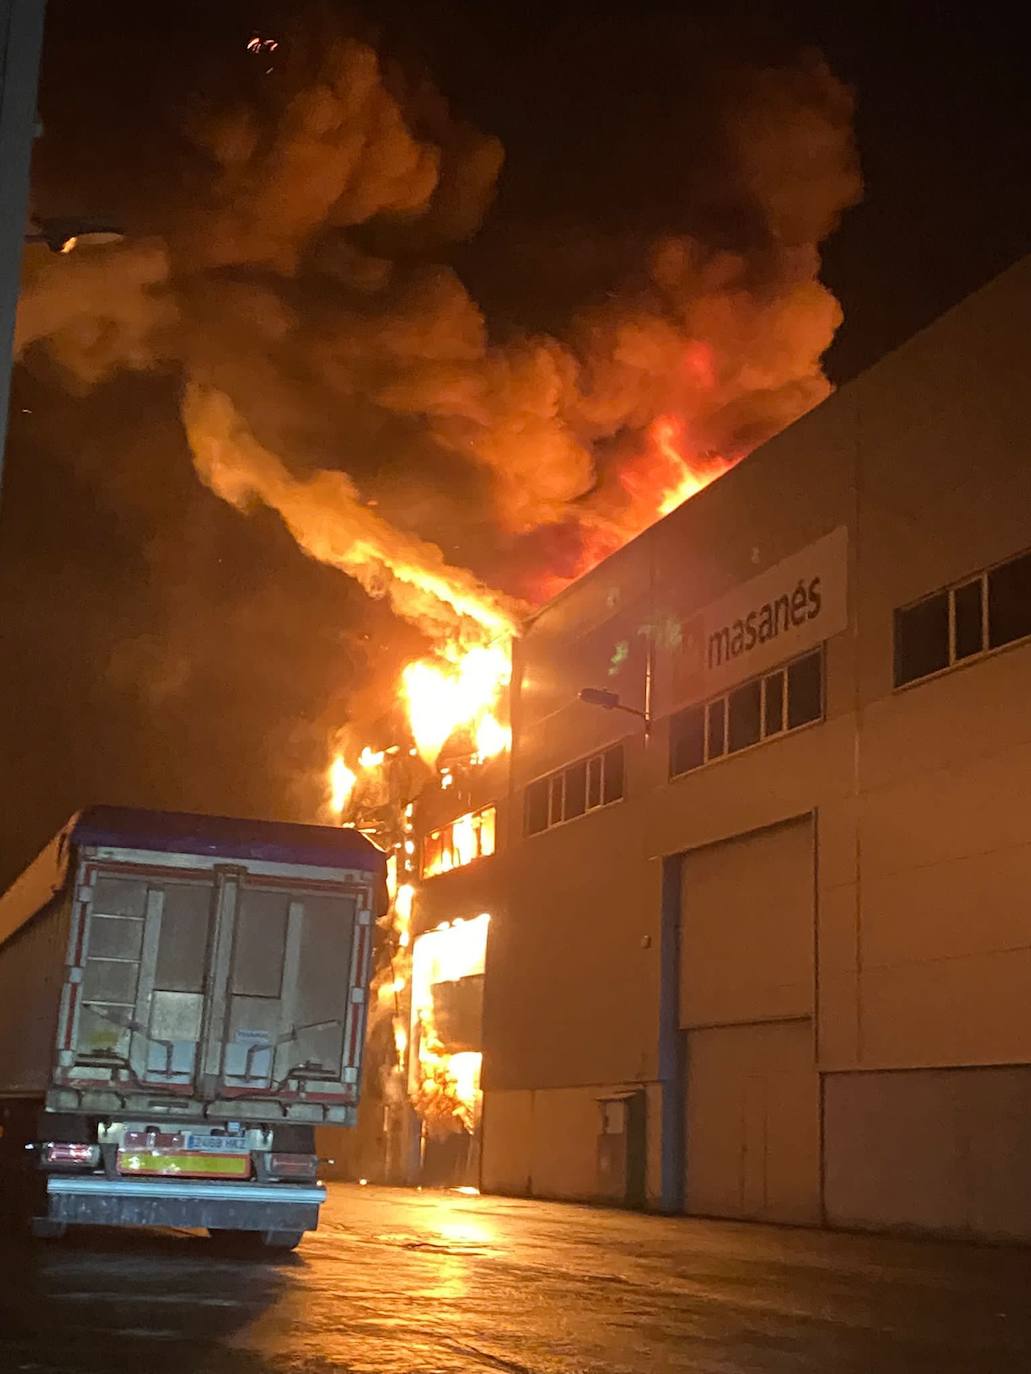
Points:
(398, 1281)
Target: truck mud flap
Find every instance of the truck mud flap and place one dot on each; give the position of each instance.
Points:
(161, 1202)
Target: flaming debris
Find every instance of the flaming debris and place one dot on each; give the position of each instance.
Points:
(341, 785)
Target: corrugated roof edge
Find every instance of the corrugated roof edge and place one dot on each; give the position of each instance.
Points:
(226, 837)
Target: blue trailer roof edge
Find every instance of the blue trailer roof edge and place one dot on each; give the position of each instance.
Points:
(226, 837)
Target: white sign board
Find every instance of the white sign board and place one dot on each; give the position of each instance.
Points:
(789, 608)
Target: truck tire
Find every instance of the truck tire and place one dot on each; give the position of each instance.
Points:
(251, 1242)
(44, 1228)
(281, 1240)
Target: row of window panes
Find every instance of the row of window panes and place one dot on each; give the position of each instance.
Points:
(459, 843)
(573, 791)
(759, 709)
(986, 612)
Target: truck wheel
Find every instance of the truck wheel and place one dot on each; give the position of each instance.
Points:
(247, 1242)
(43, 1228)
(281, 1240)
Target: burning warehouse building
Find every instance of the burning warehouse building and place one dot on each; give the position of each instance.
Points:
(758, 944)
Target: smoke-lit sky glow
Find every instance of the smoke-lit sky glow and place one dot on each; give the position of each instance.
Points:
(368, 321)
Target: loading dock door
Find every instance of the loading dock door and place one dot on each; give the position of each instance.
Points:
(752, 1123)
(751, 1108)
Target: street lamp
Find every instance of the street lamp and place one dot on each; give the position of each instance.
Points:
(62, 235)
(609, 701)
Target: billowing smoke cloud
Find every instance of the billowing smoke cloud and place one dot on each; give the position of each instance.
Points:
(298, 295)
(101, 313)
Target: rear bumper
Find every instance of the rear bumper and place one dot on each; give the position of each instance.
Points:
(91, 1201)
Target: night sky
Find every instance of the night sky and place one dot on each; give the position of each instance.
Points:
(160, 650)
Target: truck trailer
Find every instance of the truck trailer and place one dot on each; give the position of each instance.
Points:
(182, 1002)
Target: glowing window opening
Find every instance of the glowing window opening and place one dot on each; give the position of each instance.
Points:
(461, 842)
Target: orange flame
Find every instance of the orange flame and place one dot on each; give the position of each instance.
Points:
(678, 477)
(445, 1087)
(442, 697)
(465, 688)
(341, 785)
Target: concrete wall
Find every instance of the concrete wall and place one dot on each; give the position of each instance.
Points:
(920, 796)
(544, 1143)
(934, 1150)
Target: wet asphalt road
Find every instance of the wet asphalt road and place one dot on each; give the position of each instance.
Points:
(401, 1281)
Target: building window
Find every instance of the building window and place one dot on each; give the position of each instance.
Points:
(465, 839)
(574, 791)
(757, 710)
(984, 612)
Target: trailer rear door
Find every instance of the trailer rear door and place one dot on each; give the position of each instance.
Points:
(146, 944)
(218, 982)
(291, 990)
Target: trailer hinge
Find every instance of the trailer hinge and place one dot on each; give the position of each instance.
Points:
(365, 917)
(75, 975)
(358, 995)
(84, 893)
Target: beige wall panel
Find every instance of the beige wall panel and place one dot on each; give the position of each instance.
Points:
(838, 916)
(934, 1150)
(947, 1011)
(746, 944)
(566, 1126)
(837, 976)
(838, 1034)
(752, 1123)
(938, 815)
(572, 988)
(506, 1146)
(838, 832)
(979, 904)
(953, 720)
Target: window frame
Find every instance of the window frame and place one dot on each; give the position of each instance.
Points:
(949, 591)
(437, 834)
(595, 758)
(780, 670)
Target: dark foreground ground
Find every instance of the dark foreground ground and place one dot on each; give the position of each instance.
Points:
(401, 1281)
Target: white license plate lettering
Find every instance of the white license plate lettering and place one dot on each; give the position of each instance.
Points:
(218, 1144)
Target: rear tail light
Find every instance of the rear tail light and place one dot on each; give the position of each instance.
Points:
(296, 1167)
(71, 1156)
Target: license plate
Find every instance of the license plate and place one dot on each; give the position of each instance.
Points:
(216, 1144)
(184, 1164)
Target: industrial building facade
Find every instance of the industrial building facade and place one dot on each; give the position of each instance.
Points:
(763, 949)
